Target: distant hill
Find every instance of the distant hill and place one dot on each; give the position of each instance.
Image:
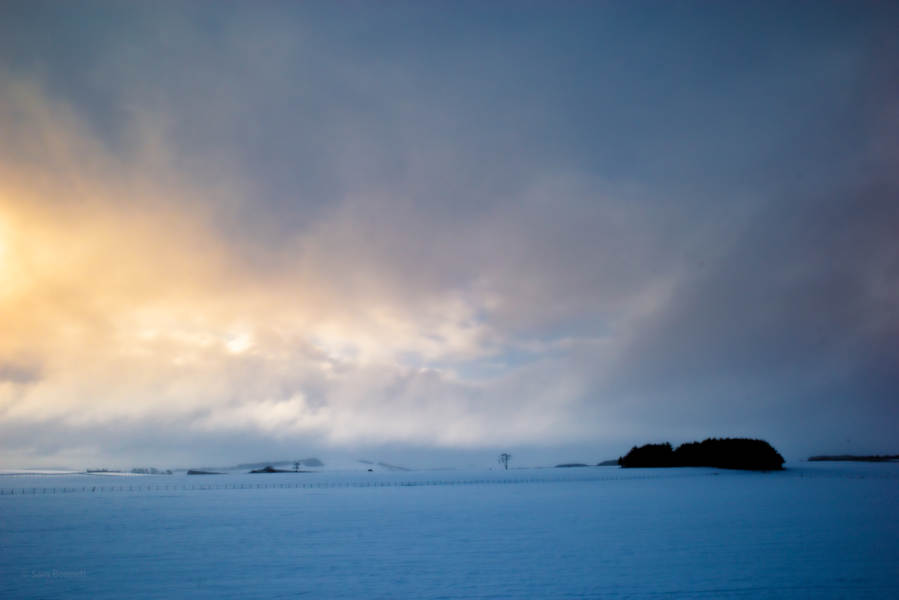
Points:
(857, 458)
(722, 453)
(391, 467)
(383, 465)
(271, 469)
(150, 471)
(306, 462)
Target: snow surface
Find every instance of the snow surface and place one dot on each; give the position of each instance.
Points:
(814, 531)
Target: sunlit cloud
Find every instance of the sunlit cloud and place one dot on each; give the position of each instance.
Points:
(276, 232)
(135, 306)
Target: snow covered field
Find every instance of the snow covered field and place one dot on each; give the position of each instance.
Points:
(817, 530)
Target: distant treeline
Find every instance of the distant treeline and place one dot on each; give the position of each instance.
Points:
(854, 457)
(723, 453)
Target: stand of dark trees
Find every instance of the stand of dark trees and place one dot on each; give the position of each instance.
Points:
(857, 458)
(271, 469)
(723, 453)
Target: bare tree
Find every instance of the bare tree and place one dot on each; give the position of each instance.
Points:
(296, 466)
(504, 460)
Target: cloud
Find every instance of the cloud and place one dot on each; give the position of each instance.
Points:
(301, 228)
(125, 287)
(19, 373)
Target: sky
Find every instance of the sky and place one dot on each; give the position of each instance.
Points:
(431, 232)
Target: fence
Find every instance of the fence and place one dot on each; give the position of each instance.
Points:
(637, 474)
(104, 489)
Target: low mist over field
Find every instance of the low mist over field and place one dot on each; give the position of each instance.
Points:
(428, 233)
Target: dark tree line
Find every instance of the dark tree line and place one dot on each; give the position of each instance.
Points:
(723, 453)
(857, 458)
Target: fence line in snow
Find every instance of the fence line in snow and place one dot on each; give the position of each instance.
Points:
(183, 487)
